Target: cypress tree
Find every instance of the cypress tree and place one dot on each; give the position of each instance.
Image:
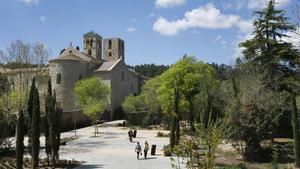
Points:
(33, 108)
(58, 112)
(48, 111)
(20, 140)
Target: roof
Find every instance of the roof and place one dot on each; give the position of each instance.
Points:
(109, 65)
(92, 34)
(69, 57)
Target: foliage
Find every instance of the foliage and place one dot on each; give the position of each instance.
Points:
(208, 136)
(276, 59)
(132, 104)
(149, 70)
(33, 108)
(92, 95)
(52, 126)
(20, 140)
(162, 134)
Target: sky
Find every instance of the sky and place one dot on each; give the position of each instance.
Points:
(154, 31)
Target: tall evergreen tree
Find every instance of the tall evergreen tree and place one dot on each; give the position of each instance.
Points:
(20, 140)
(48, 110)
(278, 60)
(33, 108)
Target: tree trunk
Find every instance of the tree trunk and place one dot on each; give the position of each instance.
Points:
(172, 133)
(176, 110)
(191, 116)
(296, 130)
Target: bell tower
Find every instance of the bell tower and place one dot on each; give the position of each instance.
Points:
(92, 44)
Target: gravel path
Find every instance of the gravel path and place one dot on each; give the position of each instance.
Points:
(112, 149)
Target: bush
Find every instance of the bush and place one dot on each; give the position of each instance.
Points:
(162, 134)
(167, 150)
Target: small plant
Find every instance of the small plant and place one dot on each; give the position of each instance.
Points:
(167, 150)
(162, 134)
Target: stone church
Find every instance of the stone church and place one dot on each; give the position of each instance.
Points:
(100, 57)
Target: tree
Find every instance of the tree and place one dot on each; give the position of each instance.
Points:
(92, 96)
(132, 104)
(53, 115)
(277, 59)
(49, 109)
(179, 86)
(33, 108)
(20, 140)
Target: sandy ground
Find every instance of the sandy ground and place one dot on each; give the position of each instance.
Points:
(112, 149)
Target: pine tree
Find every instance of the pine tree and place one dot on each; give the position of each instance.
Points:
(277, 59)
(20, 140)
(33, 108)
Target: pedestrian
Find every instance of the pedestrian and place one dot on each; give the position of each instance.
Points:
(130, 134)
(146, 148)
(138, 150)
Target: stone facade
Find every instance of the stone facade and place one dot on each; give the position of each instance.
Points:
(72, 65)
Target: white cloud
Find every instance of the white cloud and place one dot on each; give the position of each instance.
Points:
(293, 37)
(43, 18)
(30, 2)
(258, 4)
(246, 26)
(221, 40)
(133, 20)
(202, 17)
(152, 14)
(169, 3)
(131, 29)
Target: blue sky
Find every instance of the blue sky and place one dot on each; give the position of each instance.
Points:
(154, 31)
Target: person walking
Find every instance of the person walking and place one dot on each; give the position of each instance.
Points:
(138, 149)
(130, 134)
(146, 148)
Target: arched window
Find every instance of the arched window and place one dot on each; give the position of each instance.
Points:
(109, 44)
(89, 52)
(91, 43)
(87, 43)
(58, 78)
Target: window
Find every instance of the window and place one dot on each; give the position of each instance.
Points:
(122, 76)
(91, 43)
(80, 77)
(70, 52)
(58, 78)
(87, 43)
(109, 44)
(109, 54)
(89, 52)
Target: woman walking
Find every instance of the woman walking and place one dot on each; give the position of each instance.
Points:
(146, 149)
(138, 149)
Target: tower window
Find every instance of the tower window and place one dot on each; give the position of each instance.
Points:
(109, 54)
(91, 43)
(109, 44)
(58, 78)
(89, 52)
(87, 43)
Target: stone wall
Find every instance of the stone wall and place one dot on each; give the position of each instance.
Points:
(71, 72)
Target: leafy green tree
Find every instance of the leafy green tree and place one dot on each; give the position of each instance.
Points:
(132, 104)
(277, 59)
(33, 108)
(180, 84)
(20, 140)
(92, 95)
